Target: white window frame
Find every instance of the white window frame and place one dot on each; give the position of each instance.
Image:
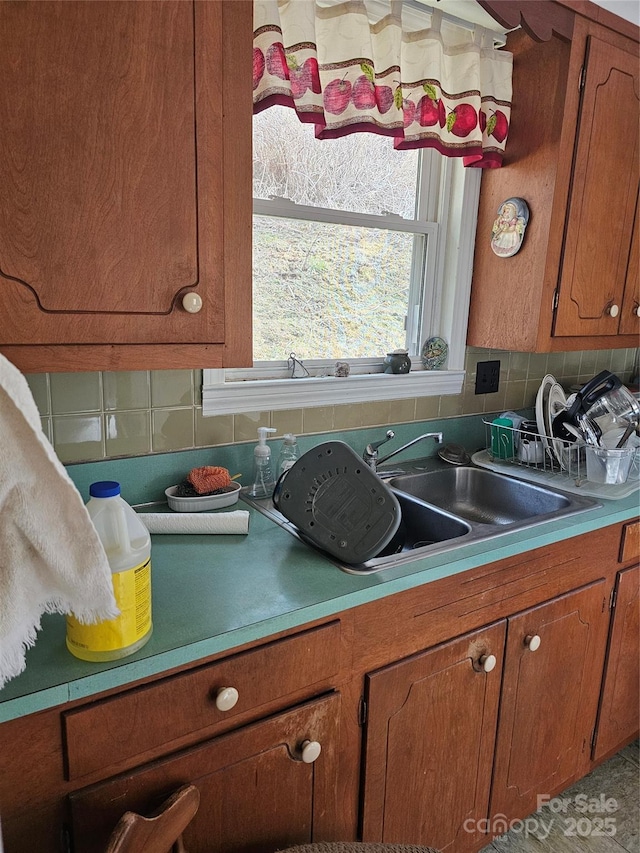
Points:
(447, 195)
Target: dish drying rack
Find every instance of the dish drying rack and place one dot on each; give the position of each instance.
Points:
(556, 457)
(562, 465)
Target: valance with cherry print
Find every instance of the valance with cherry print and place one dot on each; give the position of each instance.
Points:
(382, 67)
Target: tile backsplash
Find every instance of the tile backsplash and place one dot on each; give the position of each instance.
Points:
(91, 416)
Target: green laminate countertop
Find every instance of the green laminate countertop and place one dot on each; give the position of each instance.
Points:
(215, 593)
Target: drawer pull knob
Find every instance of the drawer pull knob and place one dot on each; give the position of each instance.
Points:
(192, 302)
(613, 310)
(488, 663)
(310, 750)
(226, 698)
(532, 642)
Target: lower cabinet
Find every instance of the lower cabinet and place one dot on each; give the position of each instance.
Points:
(550, 690)
(528, 685)
(263, 787)
(431, 724)
(618, 718)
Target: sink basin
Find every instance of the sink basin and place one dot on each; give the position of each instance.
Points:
(422, 526)
(482, 496)
(444, 508)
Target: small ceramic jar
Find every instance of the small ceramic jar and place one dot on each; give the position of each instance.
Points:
(397, 361)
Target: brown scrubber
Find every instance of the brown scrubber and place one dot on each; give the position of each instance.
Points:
(209, 478)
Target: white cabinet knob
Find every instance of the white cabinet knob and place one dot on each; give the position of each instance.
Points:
(613, 310)
(532, 642)
(192, 302)
(636, 311)
(488, 663)
(226, 698)
(310, 750)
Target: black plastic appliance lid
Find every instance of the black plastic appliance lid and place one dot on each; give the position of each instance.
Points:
(338, 503)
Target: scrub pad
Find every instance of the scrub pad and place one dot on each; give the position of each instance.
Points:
(209, 479)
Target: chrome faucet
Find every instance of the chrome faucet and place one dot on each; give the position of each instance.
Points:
(370, 455)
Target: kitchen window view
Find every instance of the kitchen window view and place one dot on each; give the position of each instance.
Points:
(351, 260)
(341, 241)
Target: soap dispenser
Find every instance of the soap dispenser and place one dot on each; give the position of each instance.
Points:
(289, 453)
(263, 479)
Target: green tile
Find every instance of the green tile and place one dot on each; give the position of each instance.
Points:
(128, 433)
(603, 360)
(427, 408)
(38, 383)
(557, 361)
(450, 405)
(537, 365)
(588, 364)
(377, 413)
(171, 388)
(472, 403)
(126, 390)
(518, 365)
(172, 429)
(78, 438)
(214, 430)
(318, 419)
(245, 425)
(347, 416)
(514, 396)
(75, 392)
(403, 411)
(287, 420)
(532, 386)
(572, 364)
(496, 402)
(619, 362)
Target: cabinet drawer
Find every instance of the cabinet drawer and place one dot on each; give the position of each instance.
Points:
(630, 543)
(135, 723)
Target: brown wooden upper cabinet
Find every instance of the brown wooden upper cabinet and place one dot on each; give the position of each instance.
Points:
(125, 219)
(573, 155)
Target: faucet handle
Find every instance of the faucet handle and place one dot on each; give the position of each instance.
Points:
(371, 451)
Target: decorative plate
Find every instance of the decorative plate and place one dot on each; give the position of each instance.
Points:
(508, 228)
(541, 408)
(434, 353)
(556, 403)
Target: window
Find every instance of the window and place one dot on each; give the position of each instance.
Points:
(358, 250)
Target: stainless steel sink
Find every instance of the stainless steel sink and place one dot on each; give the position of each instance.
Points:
(446, 508)
(482, 496)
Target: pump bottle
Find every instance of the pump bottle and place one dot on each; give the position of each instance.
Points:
(289, 453)
(263, 480)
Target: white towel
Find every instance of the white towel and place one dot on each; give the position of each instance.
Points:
(196, 522)
(51, 559)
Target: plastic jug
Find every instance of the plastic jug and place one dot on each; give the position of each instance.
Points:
(128, 546)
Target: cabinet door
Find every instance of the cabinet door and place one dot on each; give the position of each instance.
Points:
(552, 675)
(113, 174)
(618, 721)
(256, 793)
(603, 195)
(431, 722)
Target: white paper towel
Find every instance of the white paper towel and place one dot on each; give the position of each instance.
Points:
(196, 522)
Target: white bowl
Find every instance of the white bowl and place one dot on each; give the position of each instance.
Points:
(201, 503)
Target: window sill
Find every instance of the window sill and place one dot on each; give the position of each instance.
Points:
(223, 398)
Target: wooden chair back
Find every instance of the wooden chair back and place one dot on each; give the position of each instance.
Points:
(161, 833)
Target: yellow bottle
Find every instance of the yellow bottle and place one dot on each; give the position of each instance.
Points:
(128, 546)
